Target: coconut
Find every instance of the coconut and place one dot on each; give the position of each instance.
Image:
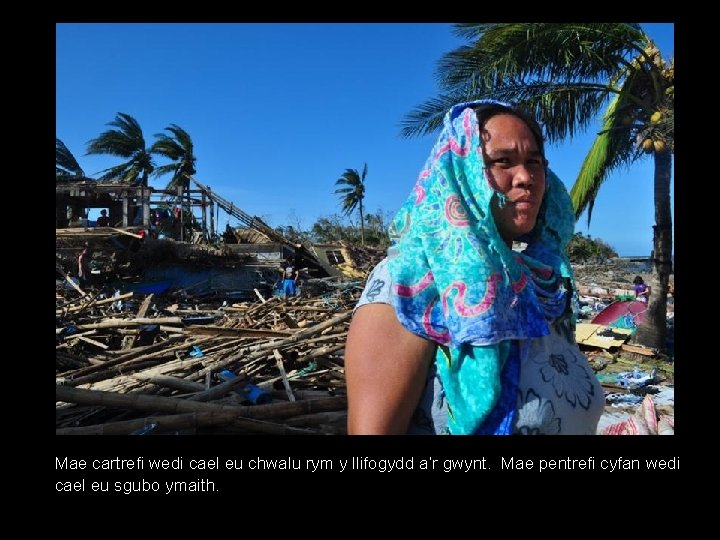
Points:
(659, 146)
(647, 145)
(656, 117)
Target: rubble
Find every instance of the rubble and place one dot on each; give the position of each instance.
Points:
(613, 358)
(192, 359)
(123, 360)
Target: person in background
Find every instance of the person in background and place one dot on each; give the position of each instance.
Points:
(290, 275)
(84, 270)
(455, 332)
(103, 220)
(642, 291)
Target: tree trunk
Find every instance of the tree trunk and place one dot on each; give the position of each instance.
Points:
(653, 329)
(362, 224)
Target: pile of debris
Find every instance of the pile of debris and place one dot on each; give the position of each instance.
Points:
(638, 381)
(170, 364)
(364, 258)
(189, 363)
(610, 274)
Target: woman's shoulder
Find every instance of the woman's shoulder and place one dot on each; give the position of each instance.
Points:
(377, 288)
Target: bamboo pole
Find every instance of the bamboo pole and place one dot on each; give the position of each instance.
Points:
(141, 402)
(172, 329)
(260, 296)
(221, 389)
(93, 342)
(121, 323)
(257, 351)
(140, 314)
(119, 360)
(329, 417)
(221, 331)
(281, 368)
(95, 302)
(128, 233)
(75, 336)
(322, 352)
(75, 286)
(164, 423)
(185, 421)
(170, 382)
(305, 308)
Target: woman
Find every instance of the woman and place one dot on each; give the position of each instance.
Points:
(456, 332)
(642, 290)
(290, 275)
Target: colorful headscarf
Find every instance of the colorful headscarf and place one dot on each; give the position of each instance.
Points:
(457, 283)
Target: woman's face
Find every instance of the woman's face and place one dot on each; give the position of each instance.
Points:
(514, 167)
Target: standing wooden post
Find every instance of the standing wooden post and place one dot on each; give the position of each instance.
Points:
(125, 210)
(145, 198)
(212, 214)
(203, 203)
(180, 188)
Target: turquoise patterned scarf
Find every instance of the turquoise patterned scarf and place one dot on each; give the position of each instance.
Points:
(457, 283)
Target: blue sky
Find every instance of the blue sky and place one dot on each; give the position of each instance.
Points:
(277, 112)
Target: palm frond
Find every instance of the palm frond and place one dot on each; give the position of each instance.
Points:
(125, 141)
(180, 149)
(557, 70)
(428, 117)
(625, 125)
(170, 168)
(600, 160)
(124, 173)
(520, 52)
(352, 189)
(65, 163)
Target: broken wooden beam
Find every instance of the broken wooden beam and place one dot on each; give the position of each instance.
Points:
(142, 402)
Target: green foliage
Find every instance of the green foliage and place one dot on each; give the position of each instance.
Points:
(179, 149)
(352, 194)
(335, 228)
(566, 74)
(293, 234)
(583, 248)
(125, 141)
(66, 166)
(569, 75)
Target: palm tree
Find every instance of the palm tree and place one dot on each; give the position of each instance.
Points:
(179, 149)
(568, 74)
(125, 141)
(352, 194)
(66, 166)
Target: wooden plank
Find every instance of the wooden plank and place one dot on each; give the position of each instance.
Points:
(172, 422)
(130, 343)
(281, 368)
(208, 330)
(142, 402)
(639, 349)
(93, 342)
(95, 302)
(128, 233)
(590, 334)
(170, 382)
(120, 323)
